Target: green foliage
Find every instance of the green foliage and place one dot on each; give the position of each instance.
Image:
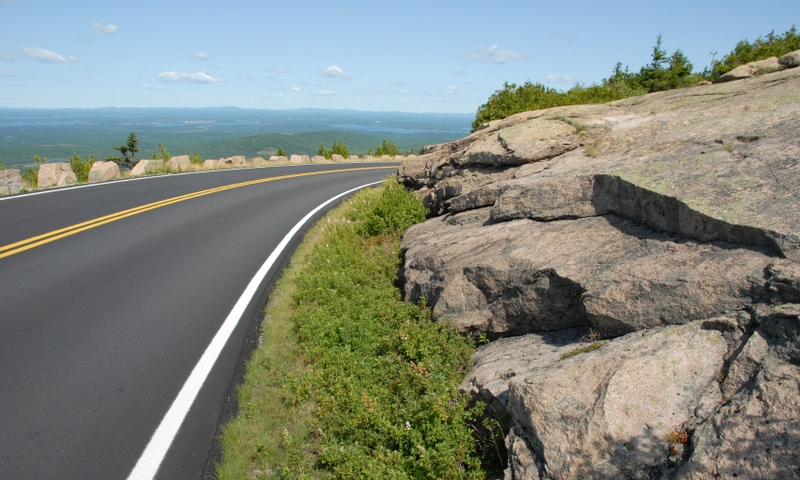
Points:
(162, 154)
(81, 167)
(196, 159)
(281, 153)
(128, 150)
(339, 148)
(30, 178)
(39, 160)
(387, 148)
(381, 373)
(390, 213)
(2, 166)
(762, 48)
(664, 72)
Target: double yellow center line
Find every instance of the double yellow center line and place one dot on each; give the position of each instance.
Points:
(33, 242)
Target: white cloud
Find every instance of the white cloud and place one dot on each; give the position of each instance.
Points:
(324, 92)
(200, 56)
(42, 55)
(333, 72)
(200, 77)
(373, 90)
(157, 88)
(105, 29)
(562, 79)
(296, 89)
(397, 83)
(497, 54)
(277, 69)
(449, 90)
(4, 74)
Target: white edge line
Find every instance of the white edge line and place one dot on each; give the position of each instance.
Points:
(150, 461)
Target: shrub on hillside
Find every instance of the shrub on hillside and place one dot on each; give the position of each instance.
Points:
(768, 46)
(81, 167)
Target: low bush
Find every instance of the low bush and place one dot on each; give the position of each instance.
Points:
(376, 375)
(81, 167)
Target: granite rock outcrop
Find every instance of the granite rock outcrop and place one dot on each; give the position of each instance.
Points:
(636, 266)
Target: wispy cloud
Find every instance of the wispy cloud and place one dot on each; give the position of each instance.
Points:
(278, 69)
(296, 89)
(333, 72)
(157, 88)
(200, 56)
(200, 77)
(324, 92)
(247, 78)
(40, 54)
(104, 28)
(561, 79)
(497, 54)
(567, 37)
(274, 78)
(4, 74)
(372, 90)
(460, 73)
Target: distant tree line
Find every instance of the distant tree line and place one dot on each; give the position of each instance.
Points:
(664, 72)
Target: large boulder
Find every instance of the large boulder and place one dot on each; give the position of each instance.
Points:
(210, 164)
(299, 159)
(144, 167)
(56, 175)
(791, 59)
(337, 158)
(258, 162)
(103, 171)
(234, 161)
(318, 159)
(10, 181)
(353, 158)
(179, 163)
(752, 69)
(279, 159)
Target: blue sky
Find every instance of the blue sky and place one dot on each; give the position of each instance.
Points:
(413, 56)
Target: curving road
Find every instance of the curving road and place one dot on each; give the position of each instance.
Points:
(100, 327)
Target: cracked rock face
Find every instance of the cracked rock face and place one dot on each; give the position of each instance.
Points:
(666, 226)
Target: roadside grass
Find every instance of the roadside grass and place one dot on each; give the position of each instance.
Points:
(350, 381)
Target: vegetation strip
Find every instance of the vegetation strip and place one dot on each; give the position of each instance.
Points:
(29, 243)
(349, 380)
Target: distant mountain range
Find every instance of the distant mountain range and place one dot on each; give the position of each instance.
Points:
(214, 132)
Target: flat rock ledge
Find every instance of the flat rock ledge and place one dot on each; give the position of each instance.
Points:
(636, 266)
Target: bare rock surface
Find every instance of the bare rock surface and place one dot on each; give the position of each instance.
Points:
(56, 175)
(318, 159)
(337, 158)
(103, 171)
(299, 159)
(276, 158)
(258, 161)
(143, 167)
(10, 181)
(666, 226)
(211, 164)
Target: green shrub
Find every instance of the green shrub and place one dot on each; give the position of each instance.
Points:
(387, 148)
(81, 167)
(194, 158)
(390, 213)
(339, 148)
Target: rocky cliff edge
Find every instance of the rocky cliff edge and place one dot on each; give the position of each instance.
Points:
(635, 265)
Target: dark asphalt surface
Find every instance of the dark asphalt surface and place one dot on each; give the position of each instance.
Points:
(99, 330)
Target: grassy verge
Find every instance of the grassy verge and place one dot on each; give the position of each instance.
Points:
(350, 381)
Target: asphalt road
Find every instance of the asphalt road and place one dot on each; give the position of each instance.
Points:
(100, 330)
